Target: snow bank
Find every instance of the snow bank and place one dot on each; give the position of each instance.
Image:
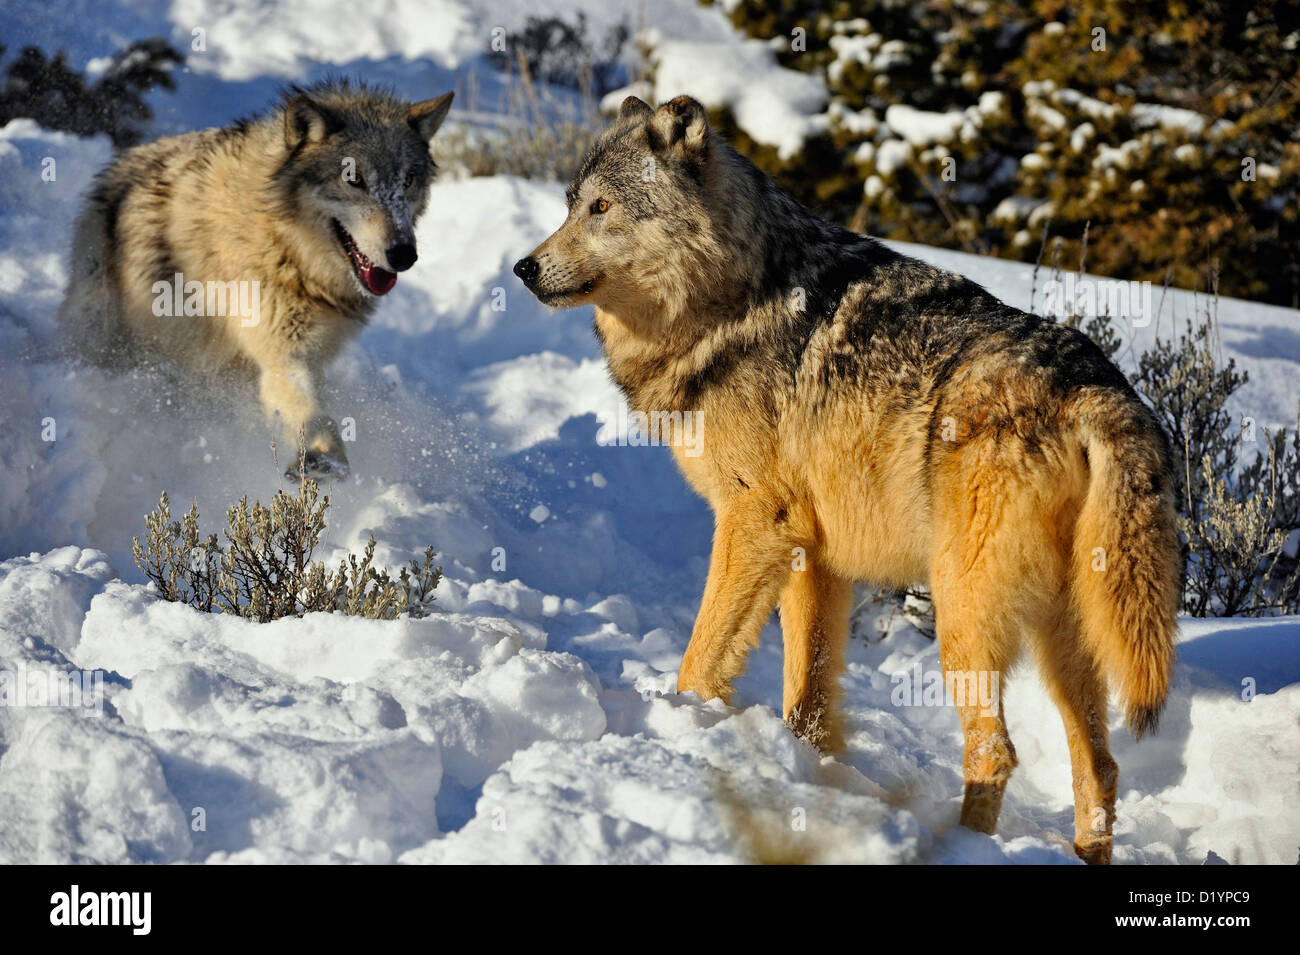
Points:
(333, 739)
(248, 40)
(323, 736)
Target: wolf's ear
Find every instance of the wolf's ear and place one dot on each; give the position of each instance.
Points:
(307, 121)
(679, 127)
(425, 117)
(634, 108)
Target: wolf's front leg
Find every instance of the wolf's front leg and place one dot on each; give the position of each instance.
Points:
(749, 566)
(288, 392)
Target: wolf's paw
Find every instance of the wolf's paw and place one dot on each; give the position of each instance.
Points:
(816, 728)
(1094, 853)
(320, 465)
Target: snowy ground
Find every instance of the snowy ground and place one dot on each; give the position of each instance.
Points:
(532, 718)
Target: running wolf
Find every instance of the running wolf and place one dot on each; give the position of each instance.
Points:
(257, 249)
(868, 417)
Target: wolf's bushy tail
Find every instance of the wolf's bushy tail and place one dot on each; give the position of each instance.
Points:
(1127, 570)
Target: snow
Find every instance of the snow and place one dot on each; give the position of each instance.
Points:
(922, 128)
(532, 717)
(283, 45)
(1090, 106)
(774, 105)
(1169, 117)
(327, 738)
(246, 40)
(892, 155)
(1014, 208)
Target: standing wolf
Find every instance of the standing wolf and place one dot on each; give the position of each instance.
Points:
(869, 417)
(258, 248)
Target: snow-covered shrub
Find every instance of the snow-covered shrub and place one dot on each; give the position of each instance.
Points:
(49, 91)
(555, 51)
(265, 569)
(968, 124)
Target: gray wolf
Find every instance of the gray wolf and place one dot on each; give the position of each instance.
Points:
(870, 418)
(257, 249)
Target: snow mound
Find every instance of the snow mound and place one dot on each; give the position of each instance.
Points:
(466, 738)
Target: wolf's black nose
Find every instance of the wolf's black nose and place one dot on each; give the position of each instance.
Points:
(527, 270)
(401, 256)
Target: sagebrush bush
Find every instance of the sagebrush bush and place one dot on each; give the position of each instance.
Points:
(540, 136)
(265, 571)
(1237, 510)
(555, 76)
(1238, 561)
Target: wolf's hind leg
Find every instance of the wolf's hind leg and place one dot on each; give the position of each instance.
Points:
(979, 638)
(815, 608)
(1079, 691)
(997, 574)
(747, 569)
(988, 758)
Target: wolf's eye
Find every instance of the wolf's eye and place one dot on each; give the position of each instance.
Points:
(410, 178)
(599, 206)
(357, 181)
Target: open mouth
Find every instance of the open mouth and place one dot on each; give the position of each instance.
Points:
(556, 298)
(375, 280)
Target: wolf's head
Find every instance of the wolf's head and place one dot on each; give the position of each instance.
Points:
(356, 175)
(653, 217)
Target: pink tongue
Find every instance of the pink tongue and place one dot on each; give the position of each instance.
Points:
(380, 281)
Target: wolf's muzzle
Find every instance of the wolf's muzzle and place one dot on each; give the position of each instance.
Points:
(527, 269)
